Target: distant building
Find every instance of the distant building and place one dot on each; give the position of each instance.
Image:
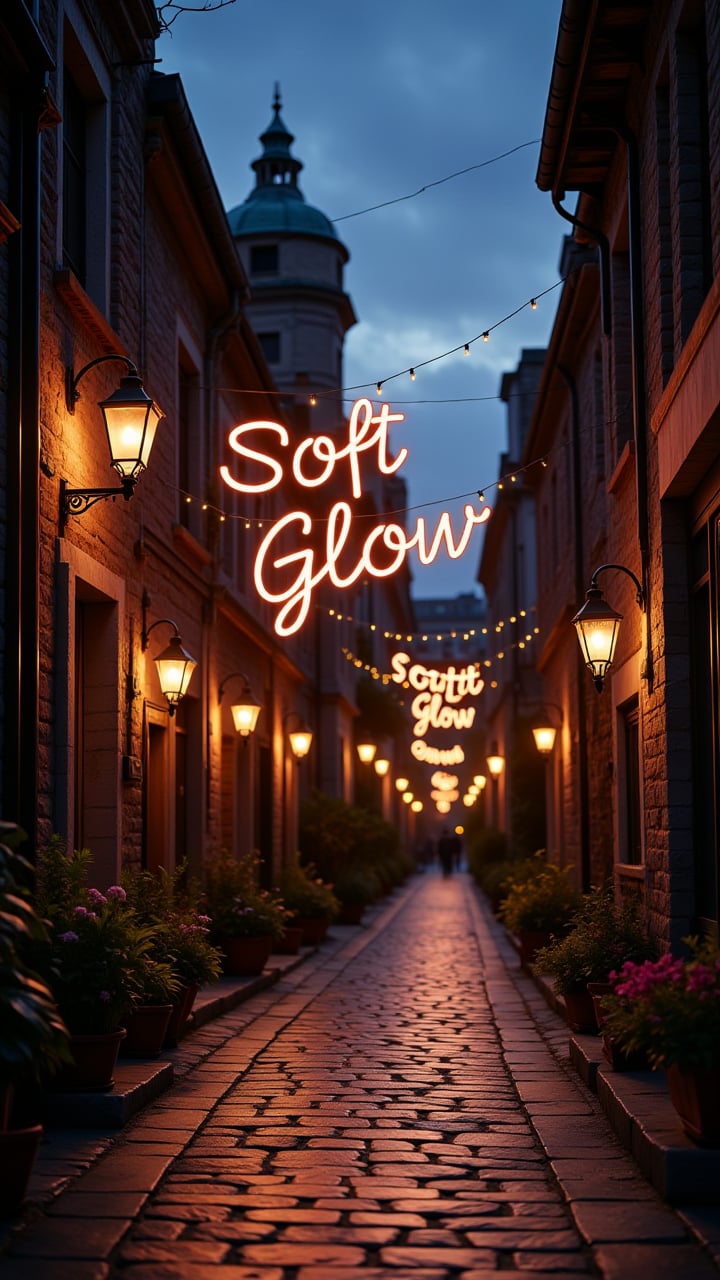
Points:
(450, 628)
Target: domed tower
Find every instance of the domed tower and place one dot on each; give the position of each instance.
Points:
(295, 262)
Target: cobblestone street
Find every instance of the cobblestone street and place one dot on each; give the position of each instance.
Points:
(390, 1107)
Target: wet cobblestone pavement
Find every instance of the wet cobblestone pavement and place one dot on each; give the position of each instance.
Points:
(364, 1118)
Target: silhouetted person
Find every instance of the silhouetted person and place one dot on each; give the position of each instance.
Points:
(446, 851)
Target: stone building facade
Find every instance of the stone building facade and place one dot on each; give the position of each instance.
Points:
(116, 255)
(626, 418)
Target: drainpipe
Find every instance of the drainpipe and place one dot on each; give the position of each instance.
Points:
(640, 424)
(22, 699)
(603, 245)
(579, 569)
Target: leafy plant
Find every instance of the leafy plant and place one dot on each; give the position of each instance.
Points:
(603, 935)
(33, 1036)
(543, 901)
(181, 933)
(668, 1008)
(237, 908)
(357, 886)
(305, 893)
(95, 950)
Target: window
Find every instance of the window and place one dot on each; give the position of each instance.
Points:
(74, 180)
(263, 259)
(270, 346)
(84, 231)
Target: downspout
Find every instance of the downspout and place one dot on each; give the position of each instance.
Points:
(603, 245)
(640, 423)
(21, 757)
(579, 568)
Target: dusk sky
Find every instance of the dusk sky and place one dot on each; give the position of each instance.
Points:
(383, 99)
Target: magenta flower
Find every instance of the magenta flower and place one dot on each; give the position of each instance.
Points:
(97, 898)
(69, 936)
(117, 893)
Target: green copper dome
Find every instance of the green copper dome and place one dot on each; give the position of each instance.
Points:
(277, 204)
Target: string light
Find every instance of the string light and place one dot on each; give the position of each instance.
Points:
(466, 349)
(313, 401)
(379, 388)
(412, 375)
(533, 304)
(486, 336)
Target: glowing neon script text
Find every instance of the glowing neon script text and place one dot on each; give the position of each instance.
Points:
(314, 460)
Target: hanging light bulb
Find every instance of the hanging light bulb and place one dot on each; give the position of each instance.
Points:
(379, 388)
(486, 336)
(412, 375)
(466, 349)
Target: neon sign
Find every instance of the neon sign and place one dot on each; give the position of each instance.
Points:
(438, 693)
(426, 754)
(288, 579)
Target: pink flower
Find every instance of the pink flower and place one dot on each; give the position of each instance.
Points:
(117, 893)
(97, 898)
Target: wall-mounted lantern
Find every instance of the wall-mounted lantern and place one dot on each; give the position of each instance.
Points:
(131, 419)
(174, 665)
(366, 752)
(300, 739)
(597, 625)
(416, 806)
(480, 781)
(495, 762)
(381, 767)
(402, 784)
(245, 708)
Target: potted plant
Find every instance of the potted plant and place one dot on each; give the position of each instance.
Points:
(33, 1037)
(670, 1009)
(91, 963)
(155, 988)
(355, 888)
(603, 934)
(181, 936)
(309, 900)
(195, 961)
(245, 920)
(538, 904)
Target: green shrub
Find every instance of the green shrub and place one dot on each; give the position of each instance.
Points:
(543, 900)
(306, 894)
(604, 935)
(335, 836)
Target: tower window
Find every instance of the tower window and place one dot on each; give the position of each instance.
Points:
(263, 259)
(270, 346)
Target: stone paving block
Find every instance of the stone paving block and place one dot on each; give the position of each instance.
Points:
(439, 1256)
(205, 1252)
(617, 1220)
(304, 1255)
(27, 1268)
(673, 1262)
(89, 1238)
(99, 1204)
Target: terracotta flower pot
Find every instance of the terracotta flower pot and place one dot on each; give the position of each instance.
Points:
(243, 957)
(351, 912)
(181, 1010)
(580, 1011)
(290, 943)
(146, 1029)
(597, 990)
(94, 1058)
(18, 1149)
(314, 929)
(695, 1095)
(619, 1060)
(531, 940)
